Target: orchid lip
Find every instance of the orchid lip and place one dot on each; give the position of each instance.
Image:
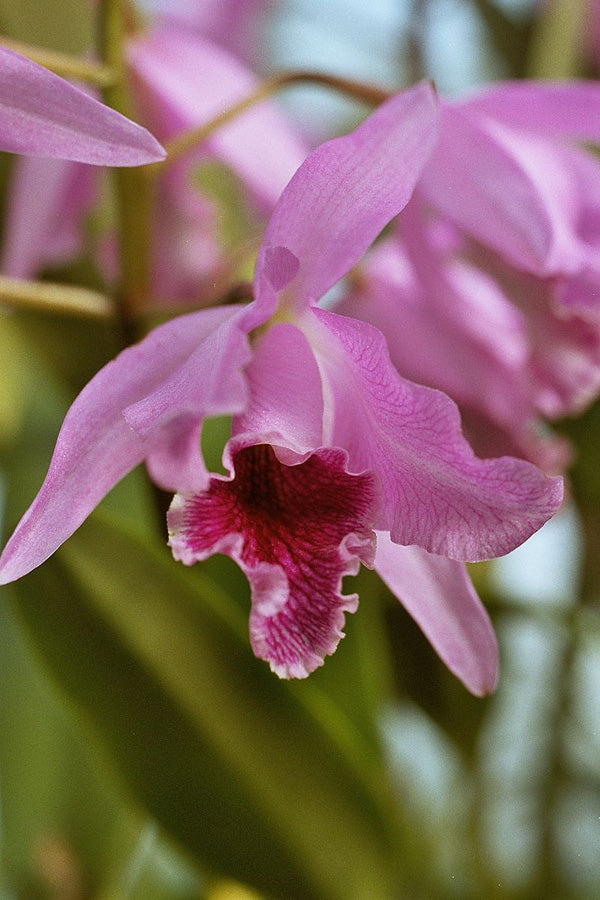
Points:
(296, 524)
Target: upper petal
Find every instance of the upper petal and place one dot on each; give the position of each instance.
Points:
(348, 190)
(569, 109)
(43, 115)
(96, 447)
(439, 595)
(436, 492)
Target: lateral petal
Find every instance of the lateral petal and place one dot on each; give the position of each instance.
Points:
(436, 492)
(439, 595)
(96, 447)
(447, 325)
(552, 108)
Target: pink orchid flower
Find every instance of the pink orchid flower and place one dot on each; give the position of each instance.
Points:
(490, 290)
(484, 333)
(508, 172)
(43, 115)
(180, 81)
(328, 441)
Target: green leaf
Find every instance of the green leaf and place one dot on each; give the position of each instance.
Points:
(245, 771)
(66, 828)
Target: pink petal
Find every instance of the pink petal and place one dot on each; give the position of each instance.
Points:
(209, 381)
(448, 326)
(284, 388)
(565, 359)
(510, 191)
(184, 81)
(533, 441)
(436, 493)
(96, 447)
(43, 115)
(234, 24)
(566, 109)
(581, 293)
(439, 595)
(349, 189)
(562, 372)
(295, 530)
(186, 255)
(48, 200)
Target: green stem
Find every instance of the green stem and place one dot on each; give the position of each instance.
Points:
(63, 63)
(56, 298)
(133, 189)
(134, 200)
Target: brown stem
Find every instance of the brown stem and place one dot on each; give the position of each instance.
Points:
(187, 141)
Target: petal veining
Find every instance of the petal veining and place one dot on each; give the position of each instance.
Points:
(347, 191)
(436, 492)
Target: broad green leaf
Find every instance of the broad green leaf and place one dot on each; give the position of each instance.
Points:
(244, 770)
(66, 825)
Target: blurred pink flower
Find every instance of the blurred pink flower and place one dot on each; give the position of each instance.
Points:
(236, 25)
(43, 115)
(490, 290)
(181, 81)
(328, 440)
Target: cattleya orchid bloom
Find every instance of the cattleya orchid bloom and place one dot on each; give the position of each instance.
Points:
(328, 441)
(43, 115)
(492, 276)
(180, 81)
